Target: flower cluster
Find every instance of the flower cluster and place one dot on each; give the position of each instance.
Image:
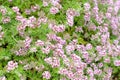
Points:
(11, 65)
(70, 14)
(87, 47)
(55, 28)
(46, 74)
(24, 47)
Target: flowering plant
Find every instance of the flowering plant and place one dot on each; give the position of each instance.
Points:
(59, 40)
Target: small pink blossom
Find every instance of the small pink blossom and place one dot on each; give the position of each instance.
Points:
(87, 16)
(107, 60)
(11, 65)
(54, 10)
(3, 10)
(28, 11)
(87, 6)
(88, 46)
(59, 52)
(71, 12)
(15, 9)
(117, 62)
(46, 75)
(48, 60)
(70, 21)
(42, 20)
(75, 57)
(45, 3)
(70, 74)
(34, 8)
(6, 20)
(70, 48)
(55, 62)
(46, 50)
(27, 42)
(39, 43)
(108, 15)
(100, 65)
(63, 71)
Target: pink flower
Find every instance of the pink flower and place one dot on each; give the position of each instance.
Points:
(116, 9)
(95, 10)
(107, 60)
(117, 62)
(21, 51)
(87, 6)
(100, 65)
(51, 36)
(87, 16)
(70, 74)
(3, 10)
(63, 71)
(59, 28)
(88, 46)
(85, 55)
(70, 48)
(48, 60)
(21, 27)
(75, 57)
(104, 38)
(80, 47)
(108, 15)
(42, 20)
(110, 9)
(70, 21)
(46, 75)
(6, 20)
(46, 50)
(54, 10)
(59, 46)
(45, 3)
(11, 65)
(27, 11)
(27, 42)
(55, 62)
(55, 2)
(34, 8)
(66, 61)
(71, 12)
(19, 18)
(59, 52)
(32, 19)
(39, 43)
(90, 72)
(15, 9)
(102, 53)
(98, 48)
